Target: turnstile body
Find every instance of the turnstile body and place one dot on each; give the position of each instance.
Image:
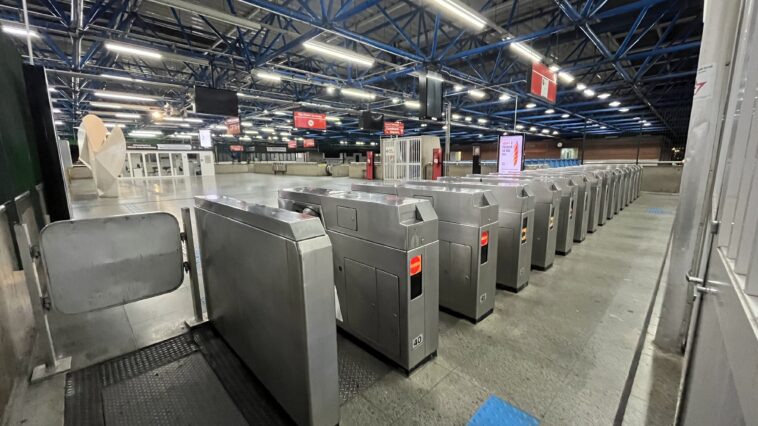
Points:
(271, 299)
(581, 206)
(468, 235)
(547, 207)
(515, 228)
(386, 268)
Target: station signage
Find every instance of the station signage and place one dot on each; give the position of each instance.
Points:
(510, 152)
(233, 126)
(543, 82)
(236, 148)
(309, 143)
(309, 120)
(276, 149)
(394, 128)
(292, 144)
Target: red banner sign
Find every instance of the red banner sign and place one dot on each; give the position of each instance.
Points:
(292, 144)
(543, 82)
(394, 128)
(309, 143)
(310, 120)
(236, 148)
(233, 126)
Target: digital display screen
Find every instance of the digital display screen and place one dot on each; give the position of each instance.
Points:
(216, 101)
(510, 153)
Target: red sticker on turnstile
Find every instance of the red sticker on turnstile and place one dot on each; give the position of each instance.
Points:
(415, 265)
(485, 238)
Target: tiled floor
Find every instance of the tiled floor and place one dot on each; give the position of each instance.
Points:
(559, 350)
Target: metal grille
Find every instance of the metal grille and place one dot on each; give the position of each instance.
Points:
(401, 159)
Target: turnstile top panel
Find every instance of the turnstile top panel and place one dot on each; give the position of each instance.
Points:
(466, 206)
(510, 195)
(545, 191)
(93, 264)
(284, 223)
(391, 220)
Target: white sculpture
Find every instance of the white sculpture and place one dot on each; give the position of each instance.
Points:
(104, 154)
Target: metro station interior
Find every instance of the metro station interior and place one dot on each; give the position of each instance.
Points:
(378, 212)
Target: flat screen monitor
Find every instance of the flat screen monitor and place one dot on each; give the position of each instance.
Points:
(216, 101)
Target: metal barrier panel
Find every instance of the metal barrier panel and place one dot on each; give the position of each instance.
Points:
(401, 159)
(270, 293)
(26, 215)
(93, 264)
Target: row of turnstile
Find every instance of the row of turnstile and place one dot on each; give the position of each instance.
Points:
(379, 262)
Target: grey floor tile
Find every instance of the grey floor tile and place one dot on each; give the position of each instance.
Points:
(396, 393)
(451, 402)
(641, 412)
(583, 401)
(359, 411)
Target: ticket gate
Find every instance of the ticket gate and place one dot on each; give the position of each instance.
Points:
(604, 190)
(468, 233)
(582, 211)
(546, 212)
(588, 205)
(515, 225)
(386, 268)
(272, 301)
(566, 214)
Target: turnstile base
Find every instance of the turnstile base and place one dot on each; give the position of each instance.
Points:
(466, 317)
(579, 241)
(511, 288)
(563, 253)
(378, 356)
(542, 268)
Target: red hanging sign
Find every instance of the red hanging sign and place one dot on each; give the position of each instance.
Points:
(543, 82)
(236, 148)
(309, 143)
(292, 144)
(394, 128)
(310, 120)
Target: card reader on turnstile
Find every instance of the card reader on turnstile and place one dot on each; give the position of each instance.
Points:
(468, 232)
(386, 267)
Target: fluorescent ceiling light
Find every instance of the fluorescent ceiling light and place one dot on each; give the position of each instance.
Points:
(339, 53)
(360, 94)
(435, 77)
(127, 115)
(456, 116)
(531, 105)
(636, 118)
(554, 68)
(413, 104)
(21, 32)
(193, 120)
(526, 52)
(532, 129)
(545, 131)
(121, 77)
(458, 87)
(477, 94)
(468, 119)
(330, 90)
(566, 77)
(110, 125)
(581, 86)
(520, 126)
(472, 18)
(505, 97)
(267, 130)
(57, 110)
(141, 135)
(132, 50)
(623, 109)
(603, 95)
(269, 76)
(58, 122)
(481, 120)
(147, 132)
(123, 96)
(555, 132)
(589, 93)
(646, 124)
(549, 111)
(565, 116)
(106, 105)
(52, 89)
(614, 104)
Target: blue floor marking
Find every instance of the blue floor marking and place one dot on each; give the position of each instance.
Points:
(496, 412)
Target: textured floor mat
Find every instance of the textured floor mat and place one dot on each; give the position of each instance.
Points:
(358, 369)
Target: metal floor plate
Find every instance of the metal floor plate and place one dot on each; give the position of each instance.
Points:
(195, 378)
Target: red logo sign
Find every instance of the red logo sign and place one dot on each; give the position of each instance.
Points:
(415, 266)
(543, 82)
(236, 148)
(292, 144)
(394, 128)
(309, 143)
(233, 125)
(310, 120)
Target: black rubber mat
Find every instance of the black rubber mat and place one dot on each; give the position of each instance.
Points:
(194, 379)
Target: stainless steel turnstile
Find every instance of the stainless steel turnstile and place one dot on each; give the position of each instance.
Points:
(581, 208)
(468, 233)
(272, 300)
(588, 205)
(515, 237)
(547, 208)
(386, 267)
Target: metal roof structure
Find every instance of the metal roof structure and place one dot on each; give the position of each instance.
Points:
(135, 62)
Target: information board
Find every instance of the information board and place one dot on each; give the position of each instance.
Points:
(510, 153)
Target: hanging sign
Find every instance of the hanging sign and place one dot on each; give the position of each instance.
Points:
(310, 120)
(394, 128)
(543, 82)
